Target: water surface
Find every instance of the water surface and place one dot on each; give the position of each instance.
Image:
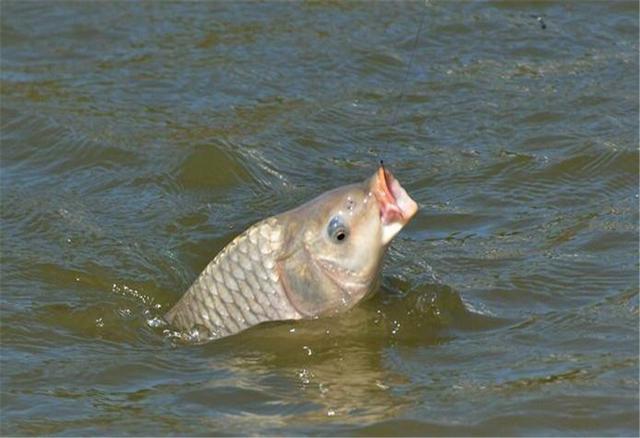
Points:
(139, 138)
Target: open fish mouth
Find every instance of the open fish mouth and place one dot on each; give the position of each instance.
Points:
(396, 206)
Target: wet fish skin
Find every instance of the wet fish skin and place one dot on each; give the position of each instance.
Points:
(239, 288)
(293, 265)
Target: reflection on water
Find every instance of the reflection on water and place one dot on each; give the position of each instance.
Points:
(328, 375)
(136, 141)
(342, 370)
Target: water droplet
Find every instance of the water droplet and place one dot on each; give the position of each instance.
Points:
(305, 376)
(193, 335)
(395, 327)
(172, 334)
(156, 322)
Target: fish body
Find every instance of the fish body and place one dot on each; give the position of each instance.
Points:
(315, 260)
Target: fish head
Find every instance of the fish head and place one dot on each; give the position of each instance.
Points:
(337, 242)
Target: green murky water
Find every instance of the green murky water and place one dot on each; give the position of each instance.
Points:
(139, 138)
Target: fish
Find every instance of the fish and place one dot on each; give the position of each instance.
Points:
(319, 259)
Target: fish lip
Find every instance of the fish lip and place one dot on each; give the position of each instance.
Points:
(395, 203)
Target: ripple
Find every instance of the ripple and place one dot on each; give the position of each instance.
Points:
(137, 141)
(208, 166)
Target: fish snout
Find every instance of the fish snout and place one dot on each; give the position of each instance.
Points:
(396, 206)
(395, 203)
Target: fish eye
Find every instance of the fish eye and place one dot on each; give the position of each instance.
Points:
(337, 230)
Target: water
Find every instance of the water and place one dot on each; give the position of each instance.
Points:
(139, 138)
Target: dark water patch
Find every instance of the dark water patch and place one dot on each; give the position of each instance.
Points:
(137, 141)
(543, 117)
(436, 307)
(443, 226)
(591, 165)
(208, 166)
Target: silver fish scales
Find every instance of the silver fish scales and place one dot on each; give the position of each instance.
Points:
(239, 288)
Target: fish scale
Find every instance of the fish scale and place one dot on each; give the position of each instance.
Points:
(239, 288)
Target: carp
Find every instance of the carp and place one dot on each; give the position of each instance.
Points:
(318, 259)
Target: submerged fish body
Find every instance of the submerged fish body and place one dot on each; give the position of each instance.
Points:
(318, 259)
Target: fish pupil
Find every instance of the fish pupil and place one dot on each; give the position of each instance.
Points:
(337, 230)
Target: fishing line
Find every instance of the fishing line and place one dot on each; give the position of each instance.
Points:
(394, 116)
